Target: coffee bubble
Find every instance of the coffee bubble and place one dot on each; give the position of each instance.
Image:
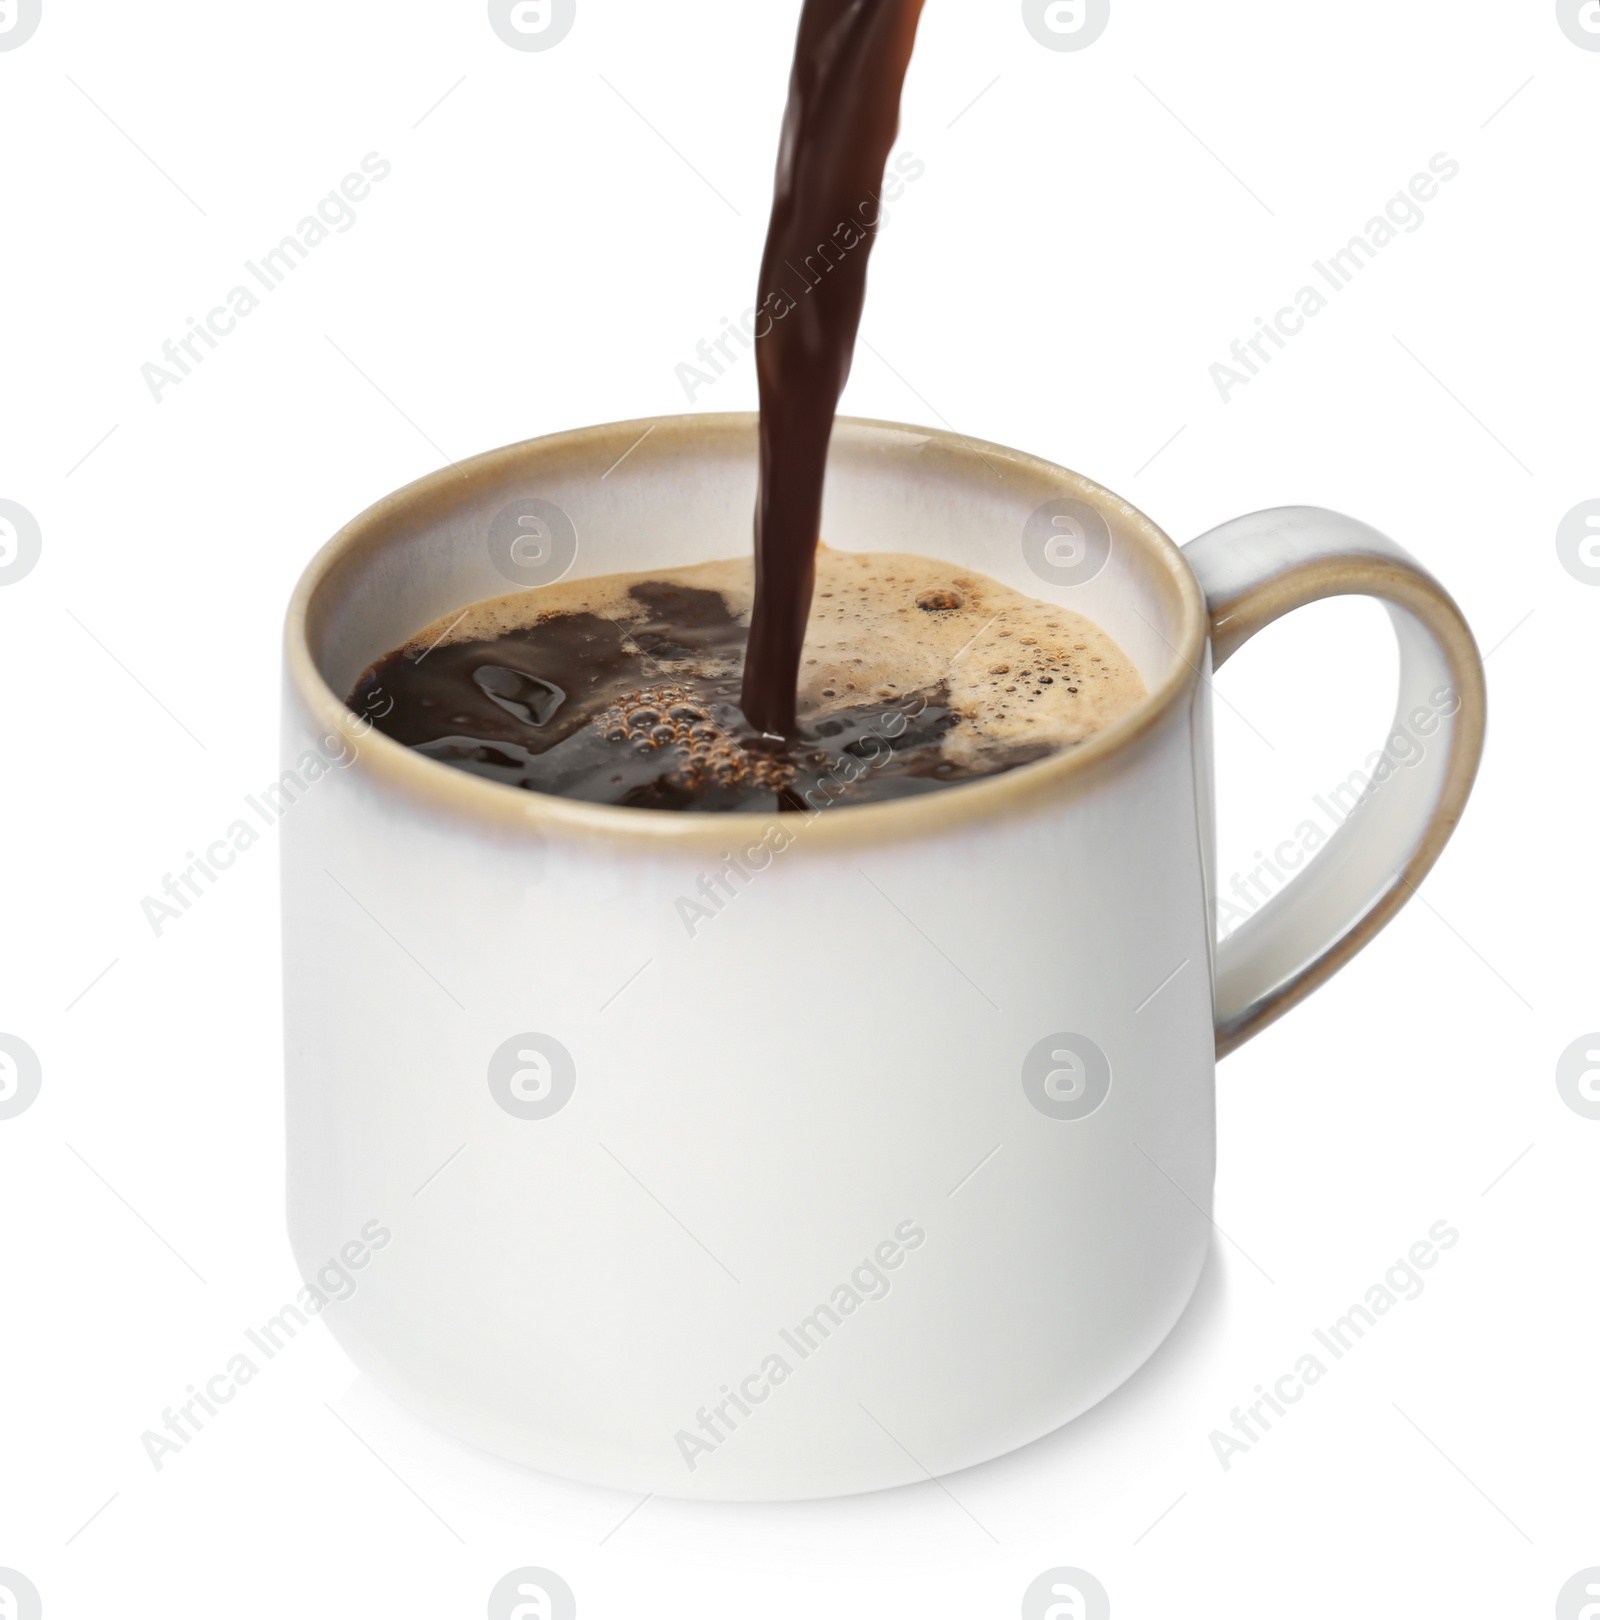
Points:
(525, 697)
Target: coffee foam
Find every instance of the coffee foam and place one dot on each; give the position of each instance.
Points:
(1017, 671)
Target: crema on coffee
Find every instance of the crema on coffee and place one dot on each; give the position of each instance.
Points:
(625, 689)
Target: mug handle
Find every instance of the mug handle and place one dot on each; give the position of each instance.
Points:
(1254, 570)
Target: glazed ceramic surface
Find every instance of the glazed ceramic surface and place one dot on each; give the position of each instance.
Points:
(894, 1150)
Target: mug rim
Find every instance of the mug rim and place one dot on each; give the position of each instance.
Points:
(395, 768)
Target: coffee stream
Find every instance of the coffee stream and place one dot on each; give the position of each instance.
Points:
(844, 110)
(668, 702)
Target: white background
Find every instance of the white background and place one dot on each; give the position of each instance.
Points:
(556, 235)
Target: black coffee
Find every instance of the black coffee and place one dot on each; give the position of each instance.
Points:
(665, 694)
(625, 689)
(646, 714)
(850, 60)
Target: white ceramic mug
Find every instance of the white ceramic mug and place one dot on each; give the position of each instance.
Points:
(901, 1155)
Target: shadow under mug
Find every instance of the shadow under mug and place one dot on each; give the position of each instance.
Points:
(761, 1156)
